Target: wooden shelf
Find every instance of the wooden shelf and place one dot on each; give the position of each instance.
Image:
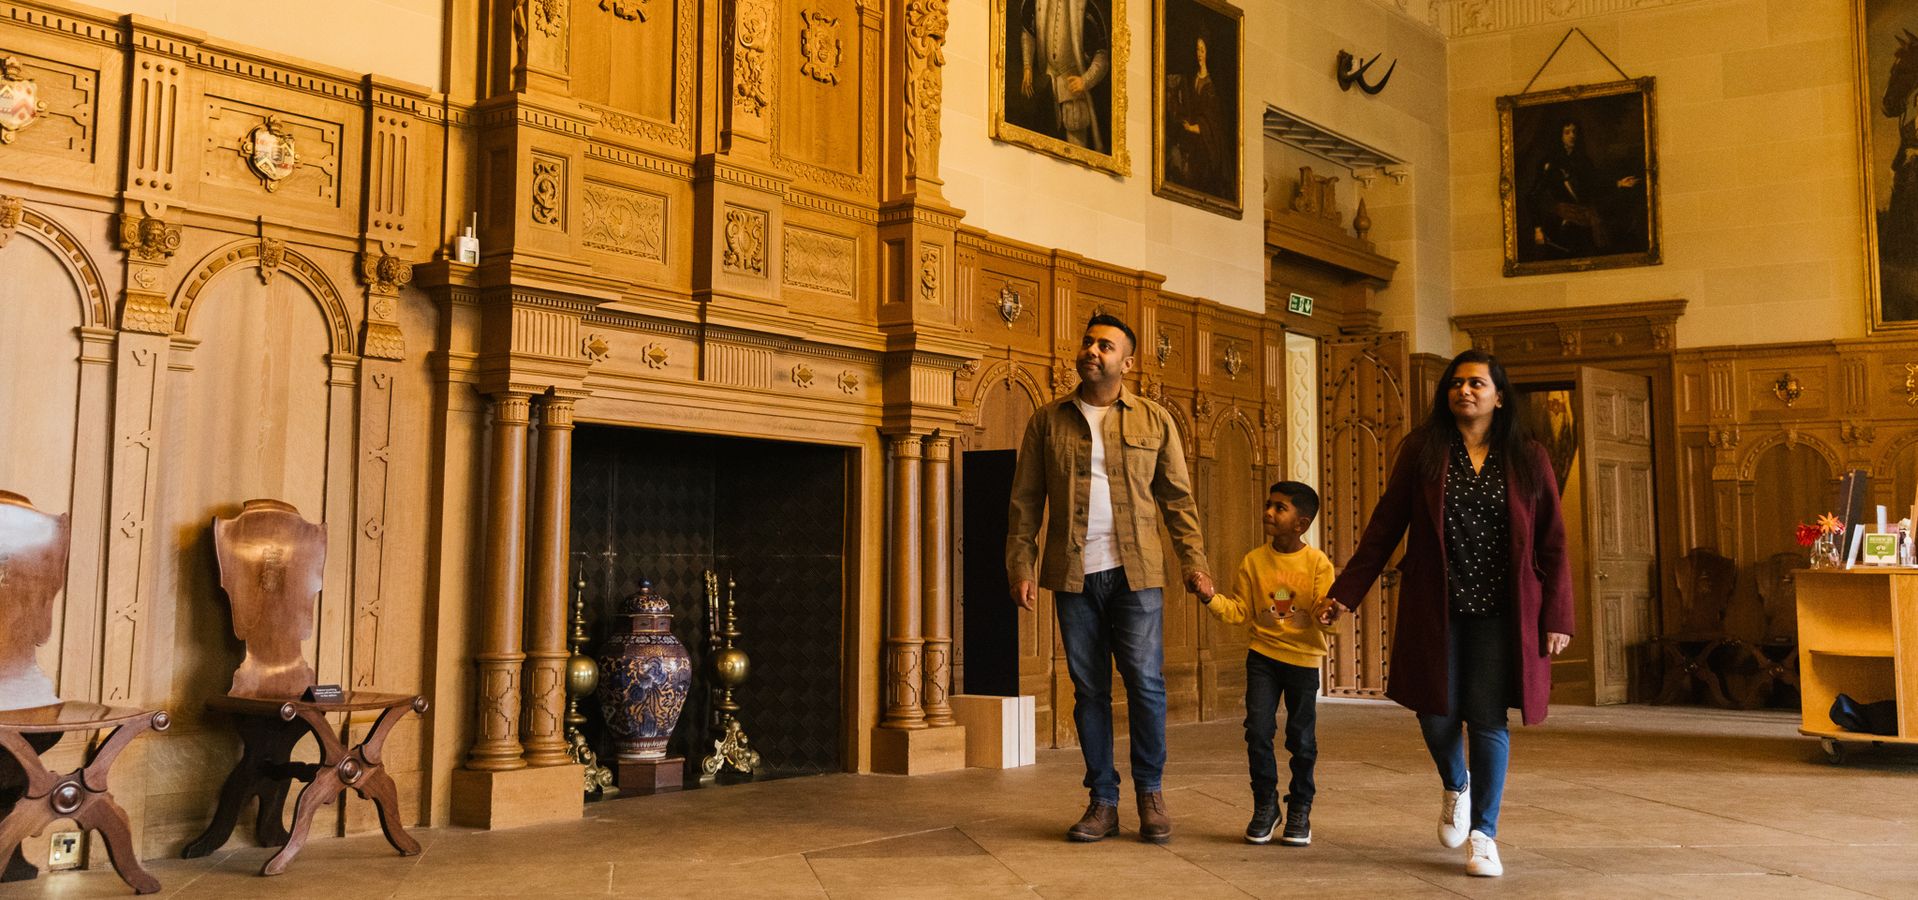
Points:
(1860, 652)
(1840, 734)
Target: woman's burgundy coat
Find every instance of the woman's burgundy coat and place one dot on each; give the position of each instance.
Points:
(1541, 582)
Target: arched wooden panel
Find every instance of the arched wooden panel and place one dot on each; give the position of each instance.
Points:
(1790, 483)
(1363, 416)
(1233, 527)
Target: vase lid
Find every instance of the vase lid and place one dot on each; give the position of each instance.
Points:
(644, 602)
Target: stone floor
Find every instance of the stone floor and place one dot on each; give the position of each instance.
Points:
(1615, 803)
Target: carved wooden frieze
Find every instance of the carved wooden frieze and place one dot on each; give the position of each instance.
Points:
(820, 261)
(624, 221)
(752, 43)
(745, 233)
(59, 100)
(1582, 332)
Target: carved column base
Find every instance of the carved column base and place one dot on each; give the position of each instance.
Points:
(497, 748)
(918, 752)
(546, 689)
(512, 799)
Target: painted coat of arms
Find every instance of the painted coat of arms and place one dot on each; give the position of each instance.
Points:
(20, 102)
(270, 152)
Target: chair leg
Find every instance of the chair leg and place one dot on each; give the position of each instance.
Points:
(265, 744)
(378, 787)
(101, 814)
(17, 868)
(325, 787)
(28, 817)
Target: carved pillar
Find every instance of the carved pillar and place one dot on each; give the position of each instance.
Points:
(546, 652)
(497, 746)
(919, 52)
(936, 579)
(903, 643)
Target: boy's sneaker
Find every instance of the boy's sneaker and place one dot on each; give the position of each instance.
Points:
(1265, 817)
(1481, 859)
(1298, 824)
(1455, 815)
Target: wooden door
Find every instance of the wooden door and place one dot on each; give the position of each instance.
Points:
(1363, 417)
(1621, 529)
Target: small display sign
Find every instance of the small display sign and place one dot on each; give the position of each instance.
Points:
(1299, 303)
(324, 693)
(1881, 550)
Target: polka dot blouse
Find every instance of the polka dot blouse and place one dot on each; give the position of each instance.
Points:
(1478, 544)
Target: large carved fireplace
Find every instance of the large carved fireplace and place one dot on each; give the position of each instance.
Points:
(771, 516)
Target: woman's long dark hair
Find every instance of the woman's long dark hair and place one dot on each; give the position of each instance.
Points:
(1508, 435)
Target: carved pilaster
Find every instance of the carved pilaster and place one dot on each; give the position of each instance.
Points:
(542, 41)
(925, 36)
(903, 640)
(149, 242)
(936, 580)
(153, 161)
(139, 414)
(497, 746)
(750, 42)
(383, 275)
(374, 461)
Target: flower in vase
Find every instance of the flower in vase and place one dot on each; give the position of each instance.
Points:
(1807, 534)
(1829, 524)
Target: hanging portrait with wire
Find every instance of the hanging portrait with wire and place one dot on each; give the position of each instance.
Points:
(1578, 178)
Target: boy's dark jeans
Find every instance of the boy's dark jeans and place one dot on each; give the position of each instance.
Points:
(1267, 682)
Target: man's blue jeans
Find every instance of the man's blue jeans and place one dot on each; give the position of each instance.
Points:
(1110, 622)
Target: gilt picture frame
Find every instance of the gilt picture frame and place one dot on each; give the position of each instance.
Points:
(1198, 122)
(1887, 95)
(1578, 178)
(1068, 100)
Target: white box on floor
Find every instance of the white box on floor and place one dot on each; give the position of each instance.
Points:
(999, 730)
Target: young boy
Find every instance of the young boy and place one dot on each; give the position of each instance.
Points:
(1277, 593)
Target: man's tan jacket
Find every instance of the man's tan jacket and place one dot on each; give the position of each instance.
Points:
(1148, 479)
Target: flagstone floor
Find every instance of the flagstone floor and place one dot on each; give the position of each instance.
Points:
(1618, 802)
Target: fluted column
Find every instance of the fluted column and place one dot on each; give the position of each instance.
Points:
(935, 594)
(902, 609)
(546, 652)
(497, 746)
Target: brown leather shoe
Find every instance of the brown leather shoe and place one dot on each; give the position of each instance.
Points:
(1099, 822)
(1155, 825)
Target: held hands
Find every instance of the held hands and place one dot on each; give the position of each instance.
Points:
(1331, 612)
(1026, 594)
(1556, 643)
(1199, 581)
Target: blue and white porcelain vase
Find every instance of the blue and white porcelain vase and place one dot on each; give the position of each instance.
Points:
(644, 676)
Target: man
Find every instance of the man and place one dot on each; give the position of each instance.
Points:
(1110, 465)
(1570, 201)
(1066, 42)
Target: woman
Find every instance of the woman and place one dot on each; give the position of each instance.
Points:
(1487, 595)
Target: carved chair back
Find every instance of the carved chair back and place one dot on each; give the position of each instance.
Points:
(33, 571)
(1706, 582)
(1778, 586)
(272, 564)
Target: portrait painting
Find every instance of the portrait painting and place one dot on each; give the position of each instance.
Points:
(1887, 35)
(1579, 178)
(1549, 415)
(1058, 79)
(1196, 133)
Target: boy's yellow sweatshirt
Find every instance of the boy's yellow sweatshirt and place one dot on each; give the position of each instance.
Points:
(1278, 595)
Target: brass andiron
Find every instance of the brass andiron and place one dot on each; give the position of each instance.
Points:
(582, 678)
(730, 667)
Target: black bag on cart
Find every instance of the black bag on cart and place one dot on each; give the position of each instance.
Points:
(1866, 718)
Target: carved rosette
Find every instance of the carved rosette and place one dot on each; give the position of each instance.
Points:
(926, 24)
(1064, 377)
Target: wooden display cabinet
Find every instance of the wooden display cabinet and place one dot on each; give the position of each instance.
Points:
(1857, 635)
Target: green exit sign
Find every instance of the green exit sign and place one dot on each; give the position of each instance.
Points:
(1299, 303)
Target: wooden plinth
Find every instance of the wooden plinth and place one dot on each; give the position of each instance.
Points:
(651, 776)
(517, 797)
(922, 751)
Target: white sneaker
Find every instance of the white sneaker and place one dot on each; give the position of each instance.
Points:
(1455, 816)
(1481, 859)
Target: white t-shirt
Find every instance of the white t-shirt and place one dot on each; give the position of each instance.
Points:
(1102, 541)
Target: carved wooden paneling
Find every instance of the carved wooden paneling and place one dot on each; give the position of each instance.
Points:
(621, 220)
(68, 125)
(1363, 416)
(228, 125)
(820, 261)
